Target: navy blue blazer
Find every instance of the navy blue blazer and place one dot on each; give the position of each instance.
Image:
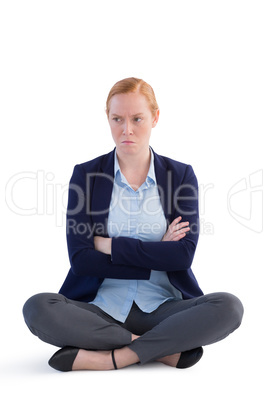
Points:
(90, 193)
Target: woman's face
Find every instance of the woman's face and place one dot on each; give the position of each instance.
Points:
(131, 122)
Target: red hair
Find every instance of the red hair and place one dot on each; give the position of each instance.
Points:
(133, 85)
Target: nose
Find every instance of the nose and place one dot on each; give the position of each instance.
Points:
(127, 128)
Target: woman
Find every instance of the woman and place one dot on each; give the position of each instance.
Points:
(132, 229)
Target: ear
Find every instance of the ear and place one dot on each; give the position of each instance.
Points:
(156, 118)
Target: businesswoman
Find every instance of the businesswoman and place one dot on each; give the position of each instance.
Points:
(132, 229)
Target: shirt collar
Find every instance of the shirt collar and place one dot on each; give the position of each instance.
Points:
(150, 179)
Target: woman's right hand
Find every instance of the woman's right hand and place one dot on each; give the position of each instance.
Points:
(176, 230)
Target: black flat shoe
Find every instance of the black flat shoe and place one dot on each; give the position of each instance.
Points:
(189, 358)
(63, 359)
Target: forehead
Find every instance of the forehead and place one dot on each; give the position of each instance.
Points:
(130, 103)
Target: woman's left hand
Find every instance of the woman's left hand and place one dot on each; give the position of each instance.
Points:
(103, 244)
(176, 230)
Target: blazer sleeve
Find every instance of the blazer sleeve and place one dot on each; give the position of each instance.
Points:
(166, 255)
(84, 259)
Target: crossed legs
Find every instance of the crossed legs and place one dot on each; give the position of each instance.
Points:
(176, 326)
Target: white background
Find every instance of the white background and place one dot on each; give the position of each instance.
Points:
(207, 62)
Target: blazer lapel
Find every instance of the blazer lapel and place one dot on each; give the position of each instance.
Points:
(165, 185)
(102, 193)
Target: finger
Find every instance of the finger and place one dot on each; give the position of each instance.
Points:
(175, 225)
(183, 225)
(175, 222)
(178, 237)
(185, 230)
(181, 236)
(180, 226)
(178, 234)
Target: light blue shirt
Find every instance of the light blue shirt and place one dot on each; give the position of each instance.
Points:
(137, 214)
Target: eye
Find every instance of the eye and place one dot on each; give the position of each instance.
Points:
(137, 119)
(117, 119)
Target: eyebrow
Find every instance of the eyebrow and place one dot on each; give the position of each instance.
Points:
(133, 115)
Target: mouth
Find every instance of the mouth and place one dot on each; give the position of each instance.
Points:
(127, 142)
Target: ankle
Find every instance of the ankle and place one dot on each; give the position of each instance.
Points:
(171, 360)
(124, 357)
(93, 360)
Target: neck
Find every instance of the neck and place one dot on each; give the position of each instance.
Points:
(139, 162)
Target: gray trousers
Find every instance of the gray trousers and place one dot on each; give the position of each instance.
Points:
(175, 326)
